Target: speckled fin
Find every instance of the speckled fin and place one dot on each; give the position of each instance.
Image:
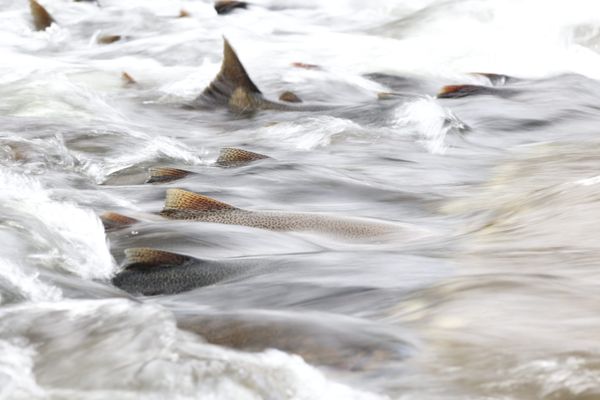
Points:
(231, 80)
(166, 174)
(112, 220)
(178, 199)
(232, 155)
(147, 257)
(41, 17)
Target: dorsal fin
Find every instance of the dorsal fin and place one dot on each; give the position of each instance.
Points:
(113, 220)
(108, 39)
(290, 97)
(41, 18)
(233, 156)
(147, 257)
(179, 199)
(166, 174)
(231, 79)
(127, 79)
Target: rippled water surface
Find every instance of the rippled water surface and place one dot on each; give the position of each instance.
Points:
(488, 289)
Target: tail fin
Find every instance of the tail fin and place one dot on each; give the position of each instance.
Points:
(232, 86)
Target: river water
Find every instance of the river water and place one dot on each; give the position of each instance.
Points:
(489, 292)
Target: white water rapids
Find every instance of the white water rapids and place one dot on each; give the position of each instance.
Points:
(490, 292)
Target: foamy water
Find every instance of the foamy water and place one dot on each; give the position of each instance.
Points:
(489, 291)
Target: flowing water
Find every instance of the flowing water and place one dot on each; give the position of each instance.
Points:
(488, 291)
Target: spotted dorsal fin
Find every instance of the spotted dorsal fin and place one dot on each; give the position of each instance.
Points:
(232, 85)
(166, 174)
(147, 257)
(178, 199)
(113, 220)
(41, 18)
(233, 156)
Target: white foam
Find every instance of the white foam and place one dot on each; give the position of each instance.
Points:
(310, 132)
(155, 147)
(137, 350)
(73, 238)
(28, 285)
(427, 119)
(17, 380)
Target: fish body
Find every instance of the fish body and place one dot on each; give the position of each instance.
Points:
(152, 272)
(184, 205)
(228, 157)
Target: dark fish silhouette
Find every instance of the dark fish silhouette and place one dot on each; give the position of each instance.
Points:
(343, 343)
(227, 6)
(152, 272)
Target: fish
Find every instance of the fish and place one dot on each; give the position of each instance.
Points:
(228, 157)
(151, 272)
(41, 17)
(108, 39)
(344, 343)
(127, 79)
(233, 88)
(458, 91)
(226, 6)
(290, 97)
(113, 221)
(184, 205)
